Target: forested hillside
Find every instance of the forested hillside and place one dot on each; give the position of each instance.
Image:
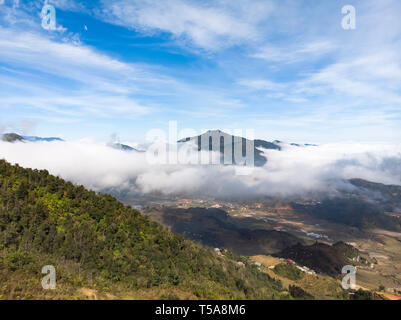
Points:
(95, 241)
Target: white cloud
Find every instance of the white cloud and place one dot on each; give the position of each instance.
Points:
(337, 78)
(374, 77)
(292, 53)
(293, 171)
(310, 74)
(68, 5)
(96, 83)
(74, 81)
(209, 25)
(262, 84)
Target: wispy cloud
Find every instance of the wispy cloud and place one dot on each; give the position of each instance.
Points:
(293, 53)
(97, 84)
(209, 25)
(227, 64)
(372, 77)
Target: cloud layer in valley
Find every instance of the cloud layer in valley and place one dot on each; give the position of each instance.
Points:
(291, 172)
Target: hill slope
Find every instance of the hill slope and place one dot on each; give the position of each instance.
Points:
(321, 257)
(94, 240)
(215, 228)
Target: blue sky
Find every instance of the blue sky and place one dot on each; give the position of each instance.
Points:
(285, 68)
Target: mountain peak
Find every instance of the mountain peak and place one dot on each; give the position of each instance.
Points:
(11, 137)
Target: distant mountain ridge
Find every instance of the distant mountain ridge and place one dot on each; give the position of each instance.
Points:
(11, 137)
(218, 140)
(14, 137)
(266, 145)
(123, 147)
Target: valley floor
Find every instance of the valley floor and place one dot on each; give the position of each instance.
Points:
(380, 248)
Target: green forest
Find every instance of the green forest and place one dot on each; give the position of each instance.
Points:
(95, 241)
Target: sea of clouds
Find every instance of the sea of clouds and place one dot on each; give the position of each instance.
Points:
(294, 171)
